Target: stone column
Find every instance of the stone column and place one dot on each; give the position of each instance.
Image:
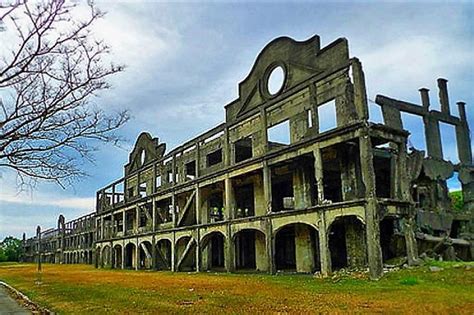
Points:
(318, 173)
(229, 198)
(229, 251)
(198, 251)
(324, 254)
(371, 209)
(304, 248)
(270, 244)
(267, 187)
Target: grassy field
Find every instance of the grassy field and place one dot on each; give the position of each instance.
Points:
(83, 289)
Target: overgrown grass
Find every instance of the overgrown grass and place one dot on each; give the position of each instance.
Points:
(79, 289)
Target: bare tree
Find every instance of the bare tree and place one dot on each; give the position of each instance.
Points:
(48, 81)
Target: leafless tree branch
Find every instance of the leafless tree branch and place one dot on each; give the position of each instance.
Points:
(48, 122)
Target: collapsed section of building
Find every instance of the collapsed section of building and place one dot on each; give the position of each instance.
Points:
(282, 185)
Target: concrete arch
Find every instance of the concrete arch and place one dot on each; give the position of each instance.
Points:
(184, 249)
(341, 216)
(213, 248)
(130, 256)
(164, 249)
(117, 261)
(296, 247)
(145, 258)
(347, 242)
(106, 256)
(234, 234)
(250, 250)
(296, 221)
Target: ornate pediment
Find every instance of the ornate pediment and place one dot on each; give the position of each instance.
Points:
(297, 61)
(146, 149)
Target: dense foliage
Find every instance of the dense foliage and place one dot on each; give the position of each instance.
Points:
(456, 200)
(10, 249)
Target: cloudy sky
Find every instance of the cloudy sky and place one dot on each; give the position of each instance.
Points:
(184, 62)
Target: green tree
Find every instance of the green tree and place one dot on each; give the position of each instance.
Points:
(10, 249)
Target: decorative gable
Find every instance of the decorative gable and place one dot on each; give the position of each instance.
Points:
(146, 149)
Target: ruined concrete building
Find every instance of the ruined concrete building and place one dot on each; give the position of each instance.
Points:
(276, 187)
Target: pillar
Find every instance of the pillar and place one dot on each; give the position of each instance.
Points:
(371, 208)
(304, 249)
(410, 241)
(229, 198)
(267, 187)
(324, 254)
(229, 261)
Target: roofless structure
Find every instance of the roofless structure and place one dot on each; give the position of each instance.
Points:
(282, 185)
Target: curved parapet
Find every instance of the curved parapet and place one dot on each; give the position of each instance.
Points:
(299, 61)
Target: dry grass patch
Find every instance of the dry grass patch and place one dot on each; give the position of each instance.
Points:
(83, 289)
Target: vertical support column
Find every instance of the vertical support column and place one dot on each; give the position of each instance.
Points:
(267, 187)
(229, 251)
(124, 222)
(153, 214)
(137, 218)
(229, 198)
(324, 254)
(463, 136)
(227, 154)
(410, 241)
(371, 209)
(200, 218)
(360, 96)
(198, 251)
(270, 244)
(304, 248)
(433, 137)
(123, 255)
(425, 98)
(137, 255)
(263, 119)
(154, 255)
(443, 95)
(198, 159)
(318, 173)
(173, 252)
(173, 207)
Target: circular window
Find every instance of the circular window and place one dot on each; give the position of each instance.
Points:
(142, 157)
(276, 79)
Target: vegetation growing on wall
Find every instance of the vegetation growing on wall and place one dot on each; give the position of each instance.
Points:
(456, 200)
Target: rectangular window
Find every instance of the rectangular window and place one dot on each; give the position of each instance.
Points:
(158, 181)
(327, 116)
(214, 158)
(243, 149)
(279, 135)
(191, 170)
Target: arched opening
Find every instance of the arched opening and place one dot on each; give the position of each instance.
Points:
(117, 263)
(185, 254)
(106, 257)
(212, 257)
(250, 251)
(86, 258)
(146, 259)
(347, 243)
(130, 254)
(392, 241)
(163, 254)
(297, 248)
(90, 258)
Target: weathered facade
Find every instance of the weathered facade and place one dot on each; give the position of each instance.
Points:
(71, 242)
(314, 198)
